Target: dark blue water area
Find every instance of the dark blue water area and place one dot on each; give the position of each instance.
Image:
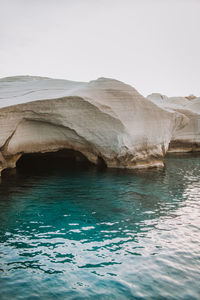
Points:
(91, 234)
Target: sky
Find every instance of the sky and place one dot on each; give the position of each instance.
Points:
(154, 45)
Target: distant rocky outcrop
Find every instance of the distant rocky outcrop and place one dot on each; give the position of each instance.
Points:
(187, 138)
(191, 97)
(105, 119)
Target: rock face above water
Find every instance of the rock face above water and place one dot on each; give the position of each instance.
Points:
(105, 119)
(187, 138)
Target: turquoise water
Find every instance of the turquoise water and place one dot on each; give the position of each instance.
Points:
(89, 234)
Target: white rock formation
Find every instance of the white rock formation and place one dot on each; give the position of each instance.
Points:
(185, 139)
(104, 119)
(168, 102)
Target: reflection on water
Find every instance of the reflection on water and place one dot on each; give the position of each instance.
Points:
(88, 234)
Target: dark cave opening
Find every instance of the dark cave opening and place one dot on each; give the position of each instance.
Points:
(67, 159)
(59, 160)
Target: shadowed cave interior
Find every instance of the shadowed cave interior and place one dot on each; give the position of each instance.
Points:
(60, 160)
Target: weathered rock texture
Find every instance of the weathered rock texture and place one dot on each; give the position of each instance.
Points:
(104, 119)
(185, 139)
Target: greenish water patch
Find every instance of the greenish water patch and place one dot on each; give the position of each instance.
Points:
(90, 234)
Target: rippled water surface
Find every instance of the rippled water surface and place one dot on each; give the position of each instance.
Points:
(88, 234)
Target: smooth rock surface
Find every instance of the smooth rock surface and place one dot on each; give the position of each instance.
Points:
(104, 119)
(185, 139)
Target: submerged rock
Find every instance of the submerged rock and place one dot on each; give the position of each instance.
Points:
(105, 119)
(187, 138)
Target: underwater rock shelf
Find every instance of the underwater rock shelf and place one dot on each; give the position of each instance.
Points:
(105, 121)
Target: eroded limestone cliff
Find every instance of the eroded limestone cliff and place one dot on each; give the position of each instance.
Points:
(103, 119)
(187, 138)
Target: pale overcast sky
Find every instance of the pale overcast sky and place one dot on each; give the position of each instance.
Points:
(153, 45)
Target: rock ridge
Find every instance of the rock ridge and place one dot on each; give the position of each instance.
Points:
(103, 119)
